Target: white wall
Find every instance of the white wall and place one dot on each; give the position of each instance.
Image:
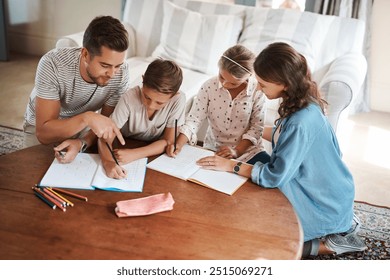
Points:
(33, 26)
(380, 57)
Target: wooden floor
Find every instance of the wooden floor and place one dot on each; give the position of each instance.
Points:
(363, 137)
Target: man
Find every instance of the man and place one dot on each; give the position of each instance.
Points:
(72, 84)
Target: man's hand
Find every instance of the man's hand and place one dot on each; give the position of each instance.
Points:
(67, 150)
(103, 127)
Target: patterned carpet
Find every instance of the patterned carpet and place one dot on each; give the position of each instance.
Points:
(11, 140)
(375, 231)
(375, 220)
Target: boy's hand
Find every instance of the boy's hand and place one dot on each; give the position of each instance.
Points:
(114, 171)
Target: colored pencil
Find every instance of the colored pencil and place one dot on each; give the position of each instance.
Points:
(49, 193)
(71, 194)
(52, 205)
(58, 204)
(68, 202)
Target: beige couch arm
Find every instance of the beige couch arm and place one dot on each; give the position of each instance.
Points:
(341, 83)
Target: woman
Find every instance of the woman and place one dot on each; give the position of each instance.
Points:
(306, 162)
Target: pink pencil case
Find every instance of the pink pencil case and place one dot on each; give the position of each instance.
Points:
(144, 206)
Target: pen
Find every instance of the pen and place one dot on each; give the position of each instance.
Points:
(174, 145)
(62, 153)
(112, 153)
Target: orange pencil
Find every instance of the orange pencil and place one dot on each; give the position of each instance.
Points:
(71, 194)
(59, 205)
(60, 196)
(54, 196)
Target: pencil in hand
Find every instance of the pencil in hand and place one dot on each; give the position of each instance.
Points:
(112, 153)
(174, 145)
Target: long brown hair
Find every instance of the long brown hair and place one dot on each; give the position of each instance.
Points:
(281, 64)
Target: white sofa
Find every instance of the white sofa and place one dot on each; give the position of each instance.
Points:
(195, 34)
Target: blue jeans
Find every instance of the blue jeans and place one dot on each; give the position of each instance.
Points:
(263, 157)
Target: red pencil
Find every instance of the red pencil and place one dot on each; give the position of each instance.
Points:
(71, 194)
(54, 196)
(59, 205)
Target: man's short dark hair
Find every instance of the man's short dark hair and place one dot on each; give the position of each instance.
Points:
(105, 31)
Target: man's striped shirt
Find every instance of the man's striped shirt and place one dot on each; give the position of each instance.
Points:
(58, 78)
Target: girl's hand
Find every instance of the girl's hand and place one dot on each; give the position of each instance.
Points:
(216, 163)
(170, 150)
(227, 152)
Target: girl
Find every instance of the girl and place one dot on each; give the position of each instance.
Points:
(234, 109)
(147, 113)
(306, 162)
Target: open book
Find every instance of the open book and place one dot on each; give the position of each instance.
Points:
(184, 167)
(86, 172)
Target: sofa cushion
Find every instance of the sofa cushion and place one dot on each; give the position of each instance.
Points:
(320, 38)
(196, 41)
(146, 17)
(264, 26)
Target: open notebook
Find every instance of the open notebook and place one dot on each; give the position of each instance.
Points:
(86, 172)
(184, 167)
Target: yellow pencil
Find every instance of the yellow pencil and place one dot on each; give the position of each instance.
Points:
(48, 197)
(60, 196)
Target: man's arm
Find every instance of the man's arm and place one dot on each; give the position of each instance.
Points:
(50, 129)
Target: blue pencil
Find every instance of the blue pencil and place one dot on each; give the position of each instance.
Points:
(52, 205)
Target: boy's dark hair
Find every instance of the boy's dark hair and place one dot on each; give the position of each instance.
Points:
(105, 31)
(164, 76)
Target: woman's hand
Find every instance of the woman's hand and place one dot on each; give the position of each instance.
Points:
(216, 163)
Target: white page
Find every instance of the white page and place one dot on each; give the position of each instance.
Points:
(221, 181)
(133, 183)
(183, 165)
(77, 174)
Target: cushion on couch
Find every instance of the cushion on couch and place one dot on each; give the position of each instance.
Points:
(196, 41)
(146, 16)
(320, 38)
